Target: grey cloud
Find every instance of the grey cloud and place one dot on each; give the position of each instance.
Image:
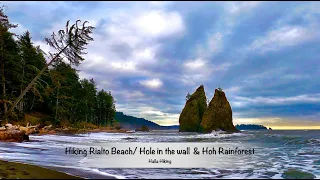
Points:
(291, 71)
(123, 50)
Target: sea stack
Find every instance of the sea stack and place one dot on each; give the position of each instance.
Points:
(191, 115)
(218, 115)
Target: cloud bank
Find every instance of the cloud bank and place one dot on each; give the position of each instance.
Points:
(151, 54)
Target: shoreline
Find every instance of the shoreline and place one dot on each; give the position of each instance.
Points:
(81, 131)
(86, 172)
(19, 170)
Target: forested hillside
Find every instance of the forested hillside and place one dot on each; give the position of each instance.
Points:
(58, 94)
(250, 127)
(131, 122)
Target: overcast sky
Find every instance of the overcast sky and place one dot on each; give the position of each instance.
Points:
(265, 55)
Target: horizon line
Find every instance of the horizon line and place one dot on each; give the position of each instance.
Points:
(275, 127)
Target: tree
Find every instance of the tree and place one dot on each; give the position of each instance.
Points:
(70, 44)
(51, 91)
(111, 109)
(89, 92)
(4, 21)
(32, 61)
(105, 108)
(188, 96)
(66, 89)
(8, 60)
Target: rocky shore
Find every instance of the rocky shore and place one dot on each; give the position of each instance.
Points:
(17, 133)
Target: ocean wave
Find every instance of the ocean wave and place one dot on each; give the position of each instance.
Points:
(276, 152)
(107, 174)
(297, 141)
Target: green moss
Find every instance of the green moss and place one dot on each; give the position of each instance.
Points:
(297, 174)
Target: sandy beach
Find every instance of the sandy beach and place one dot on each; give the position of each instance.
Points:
(13, 170)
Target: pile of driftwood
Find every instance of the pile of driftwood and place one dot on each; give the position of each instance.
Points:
(17, 133)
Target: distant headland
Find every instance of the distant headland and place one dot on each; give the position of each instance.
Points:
(251, 127)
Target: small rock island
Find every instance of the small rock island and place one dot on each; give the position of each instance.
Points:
(196, 116)
(251, 127)
(143, 128)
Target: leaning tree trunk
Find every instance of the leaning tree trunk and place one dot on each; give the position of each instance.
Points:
(21, 103)
(34, 98)
(32, 83)
(57, 105)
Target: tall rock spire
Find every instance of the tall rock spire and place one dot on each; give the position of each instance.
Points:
(218, 115)
(191, 115)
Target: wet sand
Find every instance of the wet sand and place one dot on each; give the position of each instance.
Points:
(12, 170)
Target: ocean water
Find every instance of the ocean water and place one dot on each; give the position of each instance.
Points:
(275, 152)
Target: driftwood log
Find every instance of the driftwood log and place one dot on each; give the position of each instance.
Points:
(13, 135)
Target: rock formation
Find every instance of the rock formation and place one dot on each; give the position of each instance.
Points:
(218, 115)
(143, 128)
(191, 115)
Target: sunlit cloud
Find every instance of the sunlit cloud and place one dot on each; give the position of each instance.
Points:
(153, 83)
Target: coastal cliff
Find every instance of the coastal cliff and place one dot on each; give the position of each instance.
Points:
(191, 115)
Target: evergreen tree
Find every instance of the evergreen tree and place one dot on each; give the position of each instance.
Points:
(70, 43)
(9, 66)
(89, 91)
(29, 84)
(32, 61)
(66, 82)
(188, 96)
